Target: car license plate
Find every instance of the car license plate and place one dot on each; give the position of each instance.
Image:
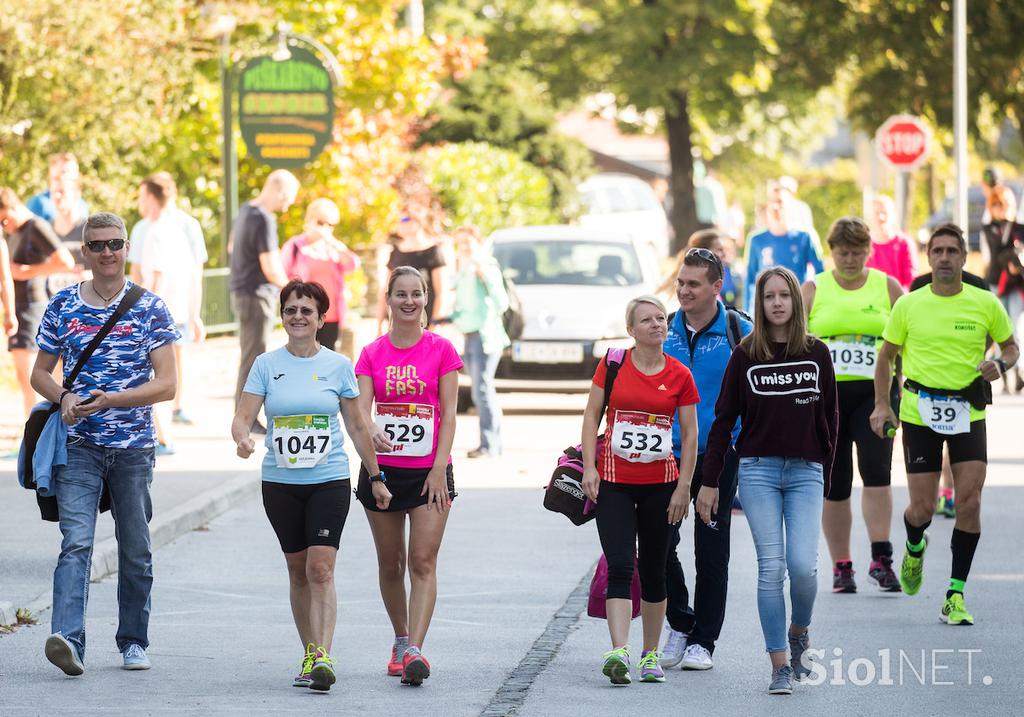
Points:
(547, 352)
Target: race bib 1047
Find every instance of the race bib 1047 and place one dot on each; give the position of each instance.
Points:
(301, 441)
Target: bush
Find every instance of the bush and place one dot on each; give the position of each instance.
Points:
(508, 108)
(489, 187)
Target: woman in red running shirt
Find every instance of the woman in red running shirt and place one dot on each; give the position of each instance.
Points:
(633, 477)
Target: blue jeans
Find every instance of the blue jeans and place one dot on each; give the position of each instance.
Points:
(127, 473)
(482, 368)
(782, 499)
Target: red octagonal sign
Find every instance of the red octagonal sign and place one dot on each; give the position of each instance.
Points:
(903, 142)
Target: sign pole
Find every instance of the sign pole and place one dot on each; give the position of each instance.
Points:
(228, 153)
(960, 111)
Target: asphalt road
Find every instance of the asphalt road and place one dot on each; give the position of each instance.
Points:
(223, 640)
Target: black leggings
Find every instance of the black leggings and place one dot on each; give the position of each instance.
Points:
(874, 454)
(628, 515)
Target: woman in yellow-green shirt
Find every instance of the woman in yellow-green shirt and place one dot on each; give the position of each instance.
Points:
(847, 308)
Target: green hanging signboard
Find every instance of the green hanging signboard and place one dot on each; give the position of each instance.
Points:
(286, 109)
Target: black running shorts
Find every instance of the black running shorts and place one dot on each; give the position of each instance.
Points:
(874, 454)
(405, 485)
(307, 515)
(922, 447)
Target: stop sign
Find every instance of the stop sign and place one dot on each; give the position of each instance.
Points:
(902, 141)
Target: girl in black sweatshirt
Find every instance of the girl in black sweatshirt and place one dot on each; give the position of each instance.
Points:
(781, 385)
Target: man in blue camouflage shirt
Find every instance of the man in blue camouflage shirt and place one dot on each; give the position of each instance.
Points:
(110, 438)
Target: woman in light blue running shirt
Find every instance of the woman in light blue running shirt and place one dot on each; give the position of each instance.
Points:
(306, 487)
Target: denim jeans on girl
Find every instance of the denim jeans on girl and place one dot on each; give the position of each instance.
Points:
(481, 368)
(128, 473)
(782, 499)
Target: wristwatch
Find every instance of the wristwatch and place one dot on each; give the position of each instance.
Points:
(1002, 365)
(379, 477)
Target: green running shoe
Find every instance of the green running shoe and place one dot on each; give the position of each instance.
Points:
(912, 570)
(322, 675)
(954, 612)
(616, 666)
(305, 678)
(650, 667)
(946, 507)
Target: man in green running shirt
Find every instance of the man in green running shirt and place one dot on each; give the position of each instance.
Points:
(941, 330)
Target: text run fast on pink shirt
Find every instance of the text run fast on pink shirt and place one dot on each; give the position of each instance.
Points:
(409, 377)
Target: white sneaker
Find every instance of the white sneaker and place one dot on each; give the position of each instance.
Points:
(697, 657)
(672, 652)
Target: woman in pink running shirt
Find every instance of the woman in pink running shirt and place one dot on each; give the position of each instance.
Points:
(412, 376)
(316, 256)
(891, 252)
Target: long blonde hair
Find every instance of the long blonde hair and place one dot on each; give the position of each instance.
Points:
(758, 343)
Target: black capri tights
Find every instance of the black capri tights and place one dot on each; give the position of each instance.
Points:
(629, 516)
(874, 454)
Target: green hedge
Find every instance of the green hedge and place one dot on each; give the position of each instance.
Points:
(489, 187)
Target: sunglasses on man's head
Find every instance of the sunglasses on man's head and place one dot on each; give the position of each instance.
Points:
(705, 254)
(96, 246)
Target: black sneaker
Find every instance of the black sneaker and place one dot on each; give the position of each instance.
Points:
(842, 578)
(882, 575)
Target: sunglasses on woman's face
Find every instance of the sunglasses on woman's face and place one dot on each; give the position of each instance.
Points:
(97, 246)
(292, 310)
(324, 223)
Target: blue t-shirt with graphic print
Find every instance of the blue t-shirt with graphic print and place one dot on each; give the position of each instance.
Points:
(303, 386)
(120, 362)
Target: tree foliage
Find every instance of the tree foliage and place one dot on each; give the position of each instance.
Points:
(703, 67)
(509, 108)
(108, 81)
(898, 55)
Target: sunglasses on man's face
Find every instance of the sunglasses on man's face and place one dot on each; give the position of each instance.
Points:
(97, 246)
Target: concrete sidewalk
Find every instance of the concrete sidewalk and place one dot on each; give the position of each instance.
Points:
(202, 480)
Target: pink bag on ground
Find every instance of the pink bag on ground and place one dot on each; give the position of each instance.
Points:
(599, 590)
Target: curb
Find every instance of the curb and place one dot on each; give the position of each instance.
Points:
(172, 524)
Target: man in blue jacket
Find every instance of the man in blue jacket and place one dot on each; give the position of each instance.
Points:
(702, 335)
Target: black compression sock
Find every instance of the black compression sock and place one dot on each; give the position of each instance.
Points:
(963, 545)
(881, 548)
(915, 536)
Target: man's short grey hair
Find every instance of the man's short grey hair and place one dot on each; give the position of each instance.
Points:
(103, 220)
